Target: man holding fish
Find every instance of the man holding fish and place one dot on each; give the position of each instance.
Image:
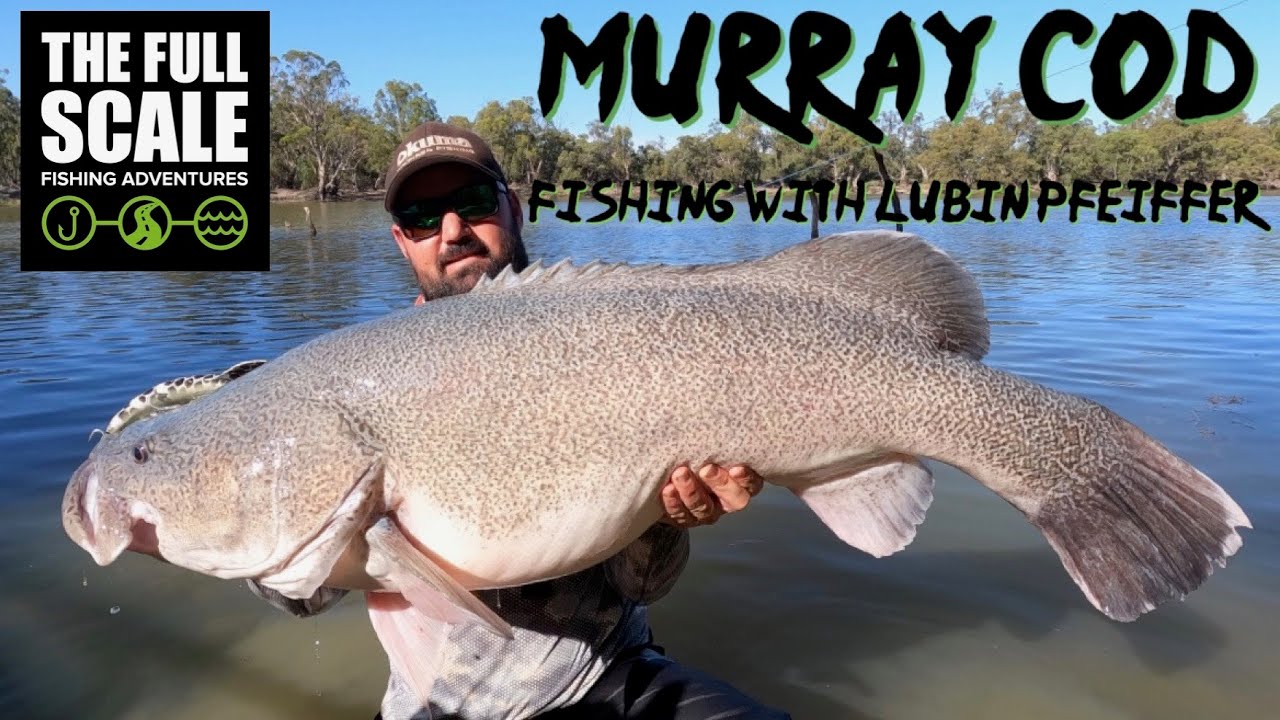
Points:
(504, 460)
(582, 642)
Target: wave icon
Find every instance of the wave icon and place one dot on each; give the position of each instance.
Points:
(220, 222)
(219, 217)
(222, 231)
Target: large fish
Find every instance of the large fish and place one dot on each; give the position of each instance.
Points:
(522, 431)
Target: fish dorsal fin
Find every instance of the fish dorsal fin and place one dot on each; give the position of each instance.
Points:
(897, 276)
(565, 272)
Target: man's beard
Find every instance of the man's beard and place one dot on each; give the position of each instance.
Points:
(512, 252)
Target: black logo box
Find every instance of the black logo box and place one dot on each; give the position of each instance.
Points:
(181, 250)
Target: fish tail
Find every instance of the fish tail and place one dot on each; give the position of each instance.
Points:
(1133, 524)
(1145, 528)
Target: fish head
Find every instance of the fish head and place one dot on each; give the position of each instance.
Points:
(211, 487)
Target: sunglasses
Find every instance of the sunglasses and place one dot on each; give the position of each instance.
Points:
(471, 202)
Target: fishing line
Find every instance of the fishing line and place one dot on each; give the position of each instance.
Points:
(1175, 27)
(880, 159)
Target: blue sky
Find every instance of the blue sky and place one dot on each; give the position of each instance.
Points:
(467, 53)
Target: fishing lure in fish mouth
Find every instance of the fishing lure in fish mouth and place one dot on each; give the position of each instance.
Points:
(175, 393)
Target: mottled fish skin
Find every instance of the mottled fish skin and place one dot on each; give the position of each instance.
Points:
(526, 428)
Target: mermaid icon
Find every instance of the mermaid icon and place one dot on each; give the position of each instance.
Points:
(150, 222)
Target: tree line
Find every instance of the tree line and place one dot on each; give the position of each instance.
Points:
(323, 139)
(10, 137)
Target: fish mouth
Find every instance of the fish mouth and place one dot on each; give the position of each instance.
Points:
(103, 523)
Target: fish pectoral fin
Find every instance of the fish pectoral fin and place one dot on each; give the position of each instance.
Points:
(422, 601)
(877, 508)
(401, 567)
(412, 639)
(315, 560)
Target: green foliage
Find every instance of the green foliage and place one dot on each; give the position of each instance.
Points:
(693, 159)
(10, 135)
(602, 153)
(1126, 153)
(527, 146)
(850, 158)
(398, 107)
(316, 123)
(740, 151)
(998, 139)
(1064, 152)
(904, 146)
(651, 161)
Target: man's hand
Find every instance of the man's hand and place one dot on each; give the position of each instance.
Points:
(691, 500)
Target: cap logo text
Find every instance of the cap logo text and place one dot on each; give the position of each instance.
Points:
(414, 148)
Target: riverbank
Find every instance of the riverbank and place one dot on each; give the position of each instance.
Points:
(291, 195)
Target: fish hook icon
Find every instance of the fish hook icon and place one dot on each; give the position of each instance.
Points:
(64, 235)
(68, 236)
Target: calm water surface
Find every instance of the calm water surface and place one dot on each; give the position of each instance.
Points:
(1176, 327)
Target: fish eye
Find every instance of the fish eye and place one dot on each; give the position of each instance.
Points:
(141, 453)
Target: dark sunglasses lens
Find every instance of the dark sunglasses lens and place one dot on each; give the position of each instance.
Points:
(473, 202)
(420, 218)
(476, 201)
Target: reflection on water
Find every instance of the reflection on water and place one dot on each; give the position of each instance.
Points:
(1176, 327)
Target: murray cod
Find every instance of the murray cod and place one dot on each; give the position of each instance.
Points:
(523, 431)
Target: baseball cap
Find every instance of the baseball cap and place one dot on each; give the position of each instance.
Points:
(436, 142)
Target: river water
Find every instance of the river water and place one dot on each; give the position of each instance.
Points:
(1174, 326)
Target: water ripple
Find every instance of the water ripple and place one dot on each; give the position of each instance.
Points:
(1176, 327)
